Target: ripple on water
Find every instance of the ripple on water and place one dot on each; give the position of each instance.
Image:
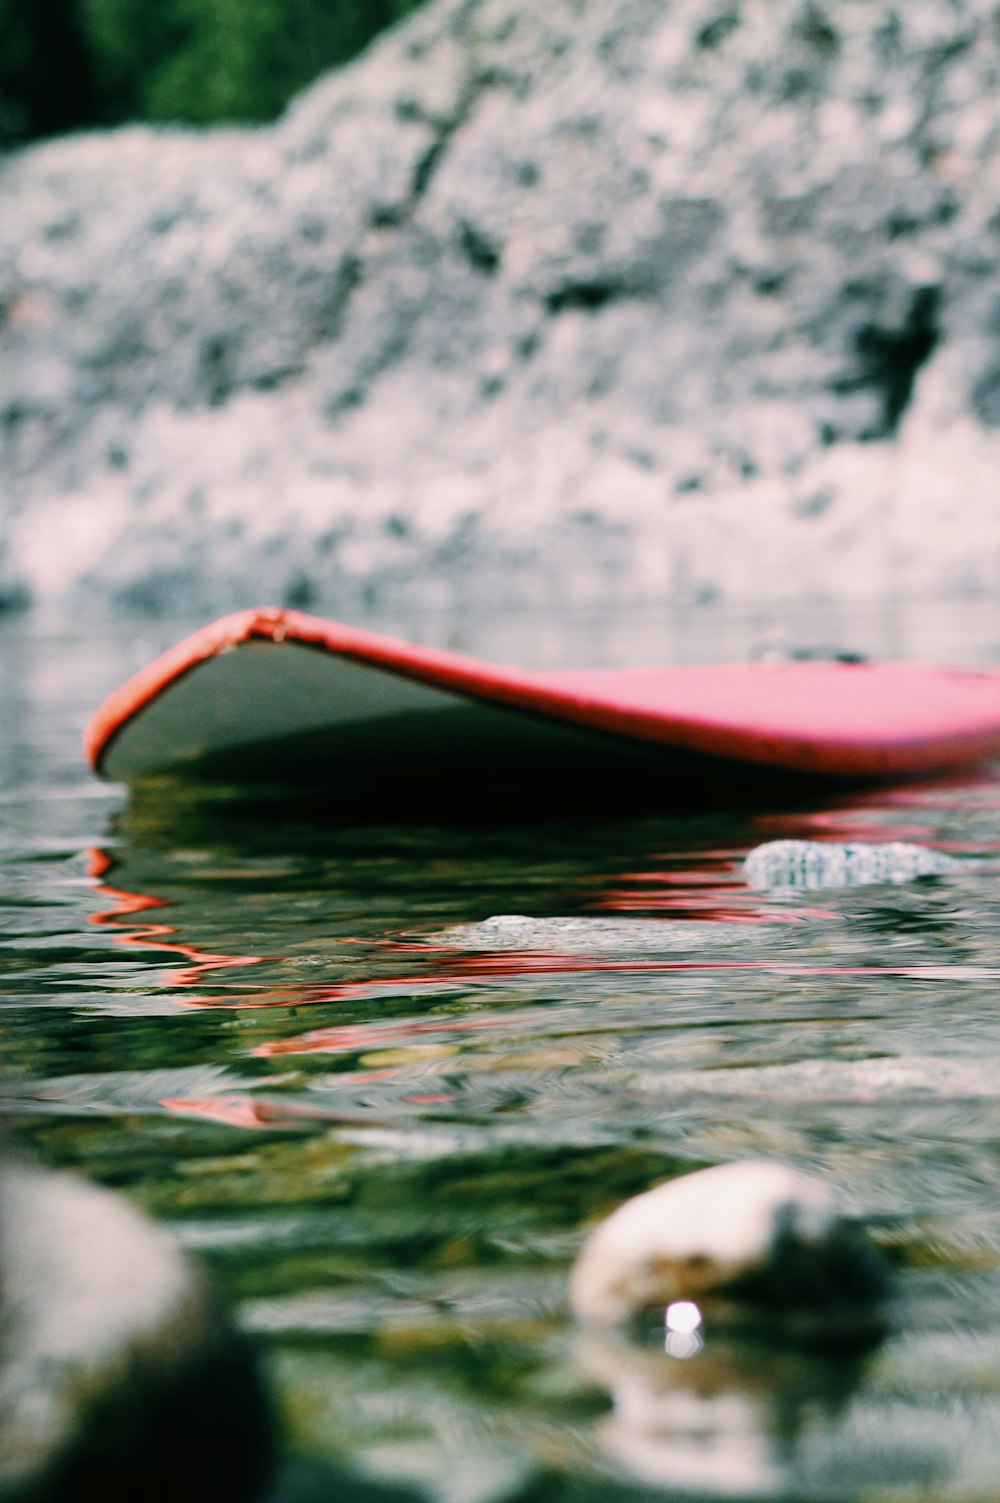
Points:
(385, 1079)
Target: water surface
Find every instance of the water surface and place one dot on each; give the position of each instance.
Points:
(388, 1139)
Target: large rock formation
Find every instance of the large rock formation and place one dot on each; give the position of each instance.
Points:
(586, 301)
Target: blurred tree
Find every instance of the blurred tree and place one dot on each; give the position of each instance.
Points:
(127, 43)
(71, 63)
(46, 76)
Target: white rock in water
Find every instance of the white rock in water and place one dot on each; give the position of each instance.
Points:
(118, 1374)
(590, 936)
(756, 1231)
(806, 865)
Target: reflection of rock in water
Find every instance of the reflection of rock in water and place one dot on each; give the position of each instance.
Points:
(739, 1418)
(788, 866)
(119, 1379)
(732, 1314)
(754, 1240)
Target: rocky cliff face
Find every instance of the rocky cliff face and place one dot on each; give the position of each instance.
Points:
(595, 300)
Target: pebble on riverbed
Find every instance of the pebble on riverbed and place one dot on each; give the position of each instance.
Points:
(753, 1237)
(119, 1377)
(808, 865)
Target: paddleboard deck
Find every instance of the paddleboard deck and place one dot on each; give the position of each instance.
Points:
(271, 692)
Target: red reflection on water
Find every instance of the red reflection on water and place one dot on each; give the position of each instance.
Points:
(350, 1038)
(868, 815)
(153, 936)
(704, 885)
(839, 825)
(353, 1037)
(711, 890)
(247, 1111)
(691, 891)
(231, 1111)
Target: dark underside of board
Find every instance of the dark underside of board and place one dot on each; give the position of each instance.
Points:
(450, 765)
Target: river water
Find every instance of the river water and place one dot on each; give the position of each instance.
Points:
(387, 1138)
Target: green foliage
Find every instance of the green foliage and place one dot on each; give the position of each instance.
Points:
(75, 63)
(45, 77)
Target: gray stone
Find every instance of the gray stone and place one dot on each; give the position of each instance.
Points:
(756, 1235)
(119, 1376)
(790, 866)
(529, 304)
(623, 938)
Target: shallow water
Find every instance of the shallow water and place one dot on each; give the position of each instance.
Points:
(387, 1138)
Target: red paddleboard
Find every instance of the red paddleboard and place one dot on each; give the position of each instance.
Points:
(271, 691)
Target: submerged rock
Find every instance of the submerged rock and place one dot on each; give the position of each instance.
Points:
(806, 865)
(625, 937)
(120, 1379)
(754, 1235)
